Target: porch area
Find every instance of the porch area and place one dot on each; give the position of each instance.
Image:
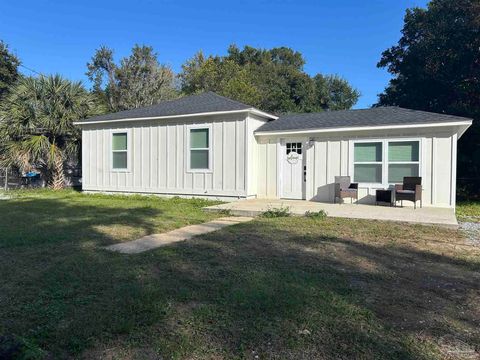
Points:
(426, 215)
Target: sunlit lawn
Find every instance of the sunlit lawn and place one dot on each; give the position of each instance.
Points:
(272, 288)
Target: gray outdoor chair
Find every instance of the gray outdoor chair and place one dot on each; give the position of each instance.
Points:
(345, 189)
(410, 190)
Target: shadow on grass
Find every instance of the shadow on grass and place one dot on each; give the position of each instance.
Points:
(266, 288)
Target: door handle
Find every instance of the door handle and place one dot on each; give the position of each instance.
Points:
(304, 173)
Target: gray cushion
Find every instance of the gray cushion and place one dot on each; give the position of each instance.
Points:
(405, 192)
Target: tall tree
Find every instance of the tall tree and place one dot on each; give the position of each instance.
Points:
(436, 67)
(36, 125)
(9, 64)
(273, 80)
(139, 80)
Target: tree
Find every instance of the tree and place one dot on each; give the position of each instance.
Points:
(9, 64)
(272, 80)
(36, 125)
(139, 80)
(436, 67)
(334, 92)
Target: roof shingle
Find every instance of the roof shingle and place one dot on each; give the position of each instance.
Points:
(388, 115)
(202, 103)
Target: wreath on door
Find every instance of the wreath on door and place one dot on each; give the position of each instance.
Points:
(293, 157)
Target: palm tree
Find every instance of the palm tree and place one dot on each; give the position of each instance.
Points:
(36, 125)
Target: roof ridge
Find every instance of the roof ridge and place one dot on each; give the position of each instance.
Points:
(226, 98)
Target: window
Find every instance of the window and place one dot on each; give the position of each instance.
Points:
(200, 149)
(385, 162)
(119, 151)
(403, 160)
(295, 147)
(367, 162)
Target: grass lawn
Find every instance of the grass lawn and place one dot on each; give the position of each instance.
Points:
(468, 211)
(272, 288)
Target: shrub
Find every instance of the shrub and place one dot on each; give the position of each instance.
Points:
(320, 215)
(277, 212)
(14, 347)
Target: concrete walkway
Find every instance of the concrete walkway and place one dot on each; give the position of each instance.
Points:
(156, 240)
(426, 215)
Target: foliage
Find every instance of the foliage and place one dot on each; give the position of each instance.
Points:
(282, 211)
(14, 347)
(320, 215)
(436, 67)
(36, 125)
(272, 80)
(9, 64)
(139, 80)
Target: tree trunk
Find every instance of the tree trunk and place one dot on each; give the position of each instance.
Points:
(58, 178)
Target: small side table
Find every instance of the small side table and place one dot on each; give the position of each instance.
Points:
(383, 196)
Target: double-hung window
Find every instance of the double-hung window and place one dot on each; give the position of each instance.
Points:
(403, 160)
(385, 161)
(199, 152)
(120, 151)
(367, 162)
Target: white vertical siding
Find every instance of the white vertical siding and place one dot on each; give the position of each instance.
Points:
(158, 158)
(267, 169)
(331, 155)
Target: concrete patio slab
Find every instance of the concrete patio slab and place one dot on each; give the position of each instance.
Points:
(426, 215)
(156, 240)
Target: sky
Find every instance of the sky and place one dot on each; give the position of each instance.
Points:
(344, 37)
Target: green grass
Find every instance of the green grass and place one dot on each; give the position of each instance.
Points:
(468, 211)
(272, 288)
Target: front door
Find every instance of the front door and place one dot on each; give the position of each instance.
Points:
(294, 171)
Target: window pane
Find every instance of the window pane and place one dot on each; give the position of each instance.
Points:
(396, 172)
(368, 152)
(199, 159)
(119, 160)
(198, 138)
(368, 173)
(403, 151)
(119, 141)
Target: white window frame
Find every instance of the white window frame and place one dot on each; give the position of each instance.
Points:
(382, 162)
(385, 161)
(405, 162)
(128, 151)
(209, 149)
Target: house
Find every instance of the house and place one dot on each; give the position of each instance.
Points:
(209, 145)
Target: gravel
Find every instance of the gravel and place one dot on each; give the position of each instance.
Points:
(472, 230)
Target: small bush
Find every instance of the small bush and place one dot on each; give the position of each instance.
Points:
(277, 212)
(320, 215)
(14, 347)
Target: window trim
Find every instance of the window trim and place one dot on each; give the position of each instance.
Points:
(128, 151)
(381, 162)
(385, 161)
(209, 149)
(403, 162)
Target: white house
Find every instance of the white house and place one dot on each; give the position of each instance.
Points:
(208, 145)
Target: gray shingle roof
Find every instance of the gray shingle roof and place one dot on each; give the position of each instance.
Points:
(389, 115)
(206, 102)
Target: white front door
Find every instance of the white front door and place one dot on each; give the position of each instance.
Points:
(293, 168)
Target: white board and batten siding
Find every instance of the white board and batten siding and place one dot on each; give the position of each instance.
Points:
(158, 157)
(331, 154)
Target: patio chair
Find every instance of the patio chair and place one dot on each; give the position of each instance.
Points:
(410, 190)
(344, 189)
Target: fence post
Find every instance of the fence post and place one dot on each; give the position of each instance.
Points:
(6, 178)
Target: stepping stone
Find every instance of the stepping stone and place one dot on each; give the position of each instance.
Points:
(154, 241)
